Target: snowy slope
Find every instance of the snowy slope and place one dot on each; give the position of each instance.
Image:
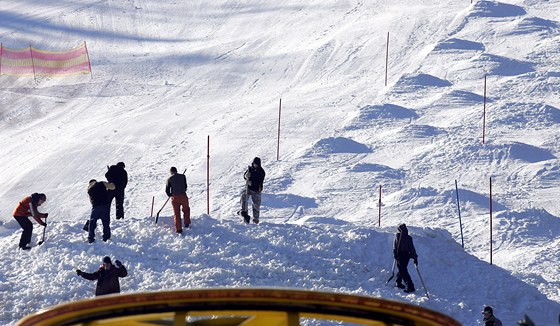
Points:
(168, 75)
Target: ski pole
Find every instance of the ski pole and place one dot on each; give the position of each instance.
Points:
(392, 272)
(44, 229)
(421, 280)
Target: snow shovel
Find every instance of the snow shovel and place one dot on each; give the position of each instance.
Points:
(157, 215)
(421, 280)
(392, 272)
(44, 229)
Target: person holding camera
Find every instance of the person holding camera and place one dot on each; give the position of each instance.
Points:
(254, 178)
(26, 208)
(107, 276)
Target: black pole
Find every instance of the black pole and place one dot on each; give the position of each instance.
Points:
(459, 210)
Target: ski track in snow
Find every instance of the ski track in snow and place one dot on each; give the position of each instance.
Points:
(168, 75)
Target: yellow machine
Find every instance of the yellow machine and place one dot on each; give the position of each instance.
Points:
(230, 306)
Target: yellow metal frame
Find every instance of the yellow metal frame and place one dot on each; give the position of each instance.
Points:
(236, 306)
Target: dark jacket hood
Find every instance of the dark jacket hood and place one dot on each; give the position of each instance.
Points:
(402, 228)
(257, 161)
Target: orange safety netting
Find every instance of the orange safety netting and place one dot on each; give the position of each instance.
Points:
(34, 62)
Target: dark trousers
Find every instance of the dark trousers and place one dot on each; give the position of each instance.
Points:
(99, 212)
(402, 275)
(118, 195)
(119, 200)
(27, 227)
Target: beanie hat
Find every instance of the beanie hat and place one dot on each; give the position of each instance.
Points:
(257, 161)
(106, 260)
(488, 309)
(121, 164)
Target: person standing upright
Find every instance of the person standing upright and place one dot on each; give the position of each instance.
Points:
(254, 178)
(25, 208)
(176, 188)
(100, 208)
(403, 251)
(117, 175)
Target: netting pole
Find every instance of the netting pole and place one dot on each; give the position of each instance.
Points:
(32, 63)
(279, 118)
(387, 59)
(1, 54)
(208, 178)
(490, 220)
(89, 62)
(484, 113)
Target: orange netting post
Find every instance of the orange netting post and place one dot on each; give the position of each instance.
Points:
(32, 63)
(89, 62)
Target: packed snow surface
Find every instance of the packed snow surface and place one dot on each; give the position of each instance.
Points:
(178, 83)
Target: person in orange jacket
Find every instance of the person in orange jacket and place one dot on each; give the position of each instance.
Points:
(28, 207)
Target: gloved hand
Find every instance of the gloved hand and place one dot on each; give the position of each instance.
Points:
(79, 272)
(44, 224)
(46, 215)
(118, 263)
(416, 261)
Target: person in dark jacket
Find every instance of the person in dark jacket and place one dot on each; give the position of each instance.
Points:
(100, 208)
(489, 318)
(25, 208)
(176, 188)
(117, 175)
(107, 277)
(403, 251)
(254, 178)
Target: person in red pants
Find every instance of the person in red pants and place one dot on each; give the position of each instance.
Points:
(176, 188)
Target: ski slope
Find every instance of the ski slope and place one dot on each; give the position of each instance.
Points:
(166, 77)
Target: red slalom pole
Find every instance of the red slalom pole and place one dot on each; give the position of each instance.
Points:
(279, 116)
(484, 114)
(208, 178)
(387, 59)
(490, 220)
(380, 206)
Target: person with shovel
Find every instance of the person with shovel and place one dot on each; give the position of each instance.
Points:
(403, 251)
(176, 189)
(26, 208)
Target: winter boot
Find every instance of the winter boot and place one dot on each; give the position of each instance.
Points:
(86, 226)
(400, 285)
(409, 290)
(246, 216)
